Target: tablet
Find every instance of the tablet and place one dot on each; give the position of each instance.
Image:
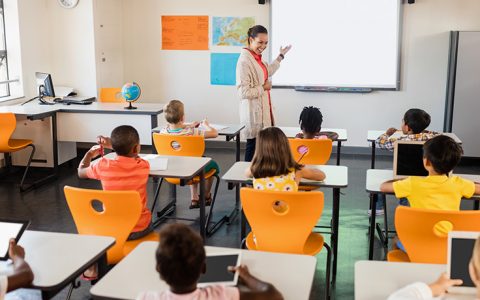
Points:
(10, 229)
(408, 159)
(217, 269)
(460, 249)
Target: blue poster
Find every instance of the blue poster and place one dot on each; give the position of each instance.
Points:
(222, 68)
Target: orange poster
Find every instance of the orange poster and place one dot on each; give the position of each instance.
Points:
(185, 32)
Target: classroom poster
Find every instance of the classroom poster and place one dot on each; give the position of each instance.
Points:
(185, 32)
(223, 68)
(231, 31)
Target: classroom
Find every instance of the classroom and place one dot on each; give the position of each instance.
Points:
(239, 149)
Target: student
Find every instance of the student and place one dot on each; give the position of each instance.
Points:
(311, 125)
(180, 262)
(420, 290)
(127, 171)
(21, 276)
(273, 166)
(438, 190)
(414, 124)
(175, 115)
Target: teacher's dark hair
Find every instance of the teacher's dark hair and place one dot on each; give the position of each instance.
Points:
(255, 30)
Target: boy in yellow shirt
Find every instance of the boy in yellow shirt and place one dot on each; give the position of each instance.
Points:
(438, 190)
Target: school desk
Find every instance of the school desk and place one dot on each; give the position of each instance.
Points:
(375, 177)
(291, 274)
(336, 178)
(376, 280)
(230, 132)
(291, 132)
(372, 136)
(57, 259)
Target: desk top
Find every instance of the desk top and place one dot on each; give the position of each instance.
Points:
(291, 274)
(178, 166)
(33, 109)
(376, 280)
(291, 132)
(336, 176)
(372, 135)
(375, 177)
(57, 258)
(230, 130)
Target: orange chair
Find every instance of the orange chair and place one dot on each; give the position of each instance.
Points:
(8, 123)
(283, 222)
(121, 211)
(416, 228)
(111, 95)
(311, 152)
(187, 146)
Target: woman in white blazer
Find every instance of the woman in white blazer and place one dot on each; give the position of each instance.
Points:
(254, 86)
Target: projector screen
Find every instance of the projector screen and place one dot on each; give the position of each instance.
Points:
(337, 43)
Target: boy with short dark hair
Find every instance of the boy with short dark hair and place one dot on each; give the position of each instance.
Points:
(180, 262)
(310, 122)
(414, 124)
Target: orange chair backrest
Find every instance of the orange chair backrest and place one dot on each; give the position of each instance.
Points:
(8, 123)
(111, 95)
(281, 221)
(311, 152)
(121, 211)
(184, 145)
(416, 229)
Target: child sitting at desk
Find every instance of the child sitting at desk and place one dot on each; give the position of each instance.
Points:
(438, 190)
(310, 121)
(420, 290)
(175, 116)
(180, 262)
(21, 276)
(273, 166)
(127, 171)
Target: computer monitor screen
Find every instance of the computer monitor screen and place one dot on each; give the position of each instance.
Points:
(45, 84)
(408, 159)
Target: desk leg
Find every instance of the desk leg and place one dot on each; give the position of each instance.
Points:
(371, 230)
(55, 144)
(202, 205)
(339, 146)
(237, 142)
(373, 155)
(335, 233)
(154, 123)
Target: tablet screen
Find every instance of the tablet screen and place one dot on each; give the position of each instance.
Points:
(410, 160)
(217, 269)
(9, 230)
(461, 253)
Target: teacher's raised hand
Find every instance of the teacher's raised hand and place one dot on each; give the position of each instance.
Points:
(283, 51)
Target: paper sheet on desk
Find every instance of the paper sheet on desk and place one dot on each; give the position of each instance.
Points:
(156, 163)
(218, 127)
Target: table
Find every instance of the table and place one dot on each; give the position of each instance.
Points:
(376, 280)
(57, 259)
(375, 177)
(184, 168)
(291, 132)
(291, 274)
(372, 136)
(336, 178)
(80, 123)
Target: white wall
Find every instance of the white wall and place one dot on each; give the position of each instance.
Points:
(164, 75)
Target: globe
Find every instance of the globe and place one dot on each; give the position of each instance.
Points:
(131, 92)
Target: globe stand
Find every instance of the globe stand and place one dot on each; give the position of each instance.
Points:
(130, 106)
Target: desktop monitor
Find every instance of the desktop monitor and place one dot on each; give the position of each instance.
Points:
(45, 84)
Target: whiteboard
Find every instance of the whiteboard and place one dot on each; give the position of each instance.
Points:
(339, 43)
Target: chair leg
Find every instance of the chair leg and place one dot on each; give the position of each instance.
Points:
(157, 192)
(28, 166)
(327, 275)
(219, 223)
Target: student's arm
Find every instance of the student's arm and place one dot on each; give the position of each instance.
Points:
(210, 132)
(248, 173)
(22, 274)
(104, 141)
(384, 141)
(87, 159)
(477, 188)
(257, 289)
(420, 290)
(311, 173)
(387, 186)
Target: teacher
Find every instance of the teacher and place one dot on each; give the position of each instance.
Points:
(254, 86)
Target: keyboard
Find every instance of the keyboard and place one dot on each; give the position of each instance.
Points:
(77, 100)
